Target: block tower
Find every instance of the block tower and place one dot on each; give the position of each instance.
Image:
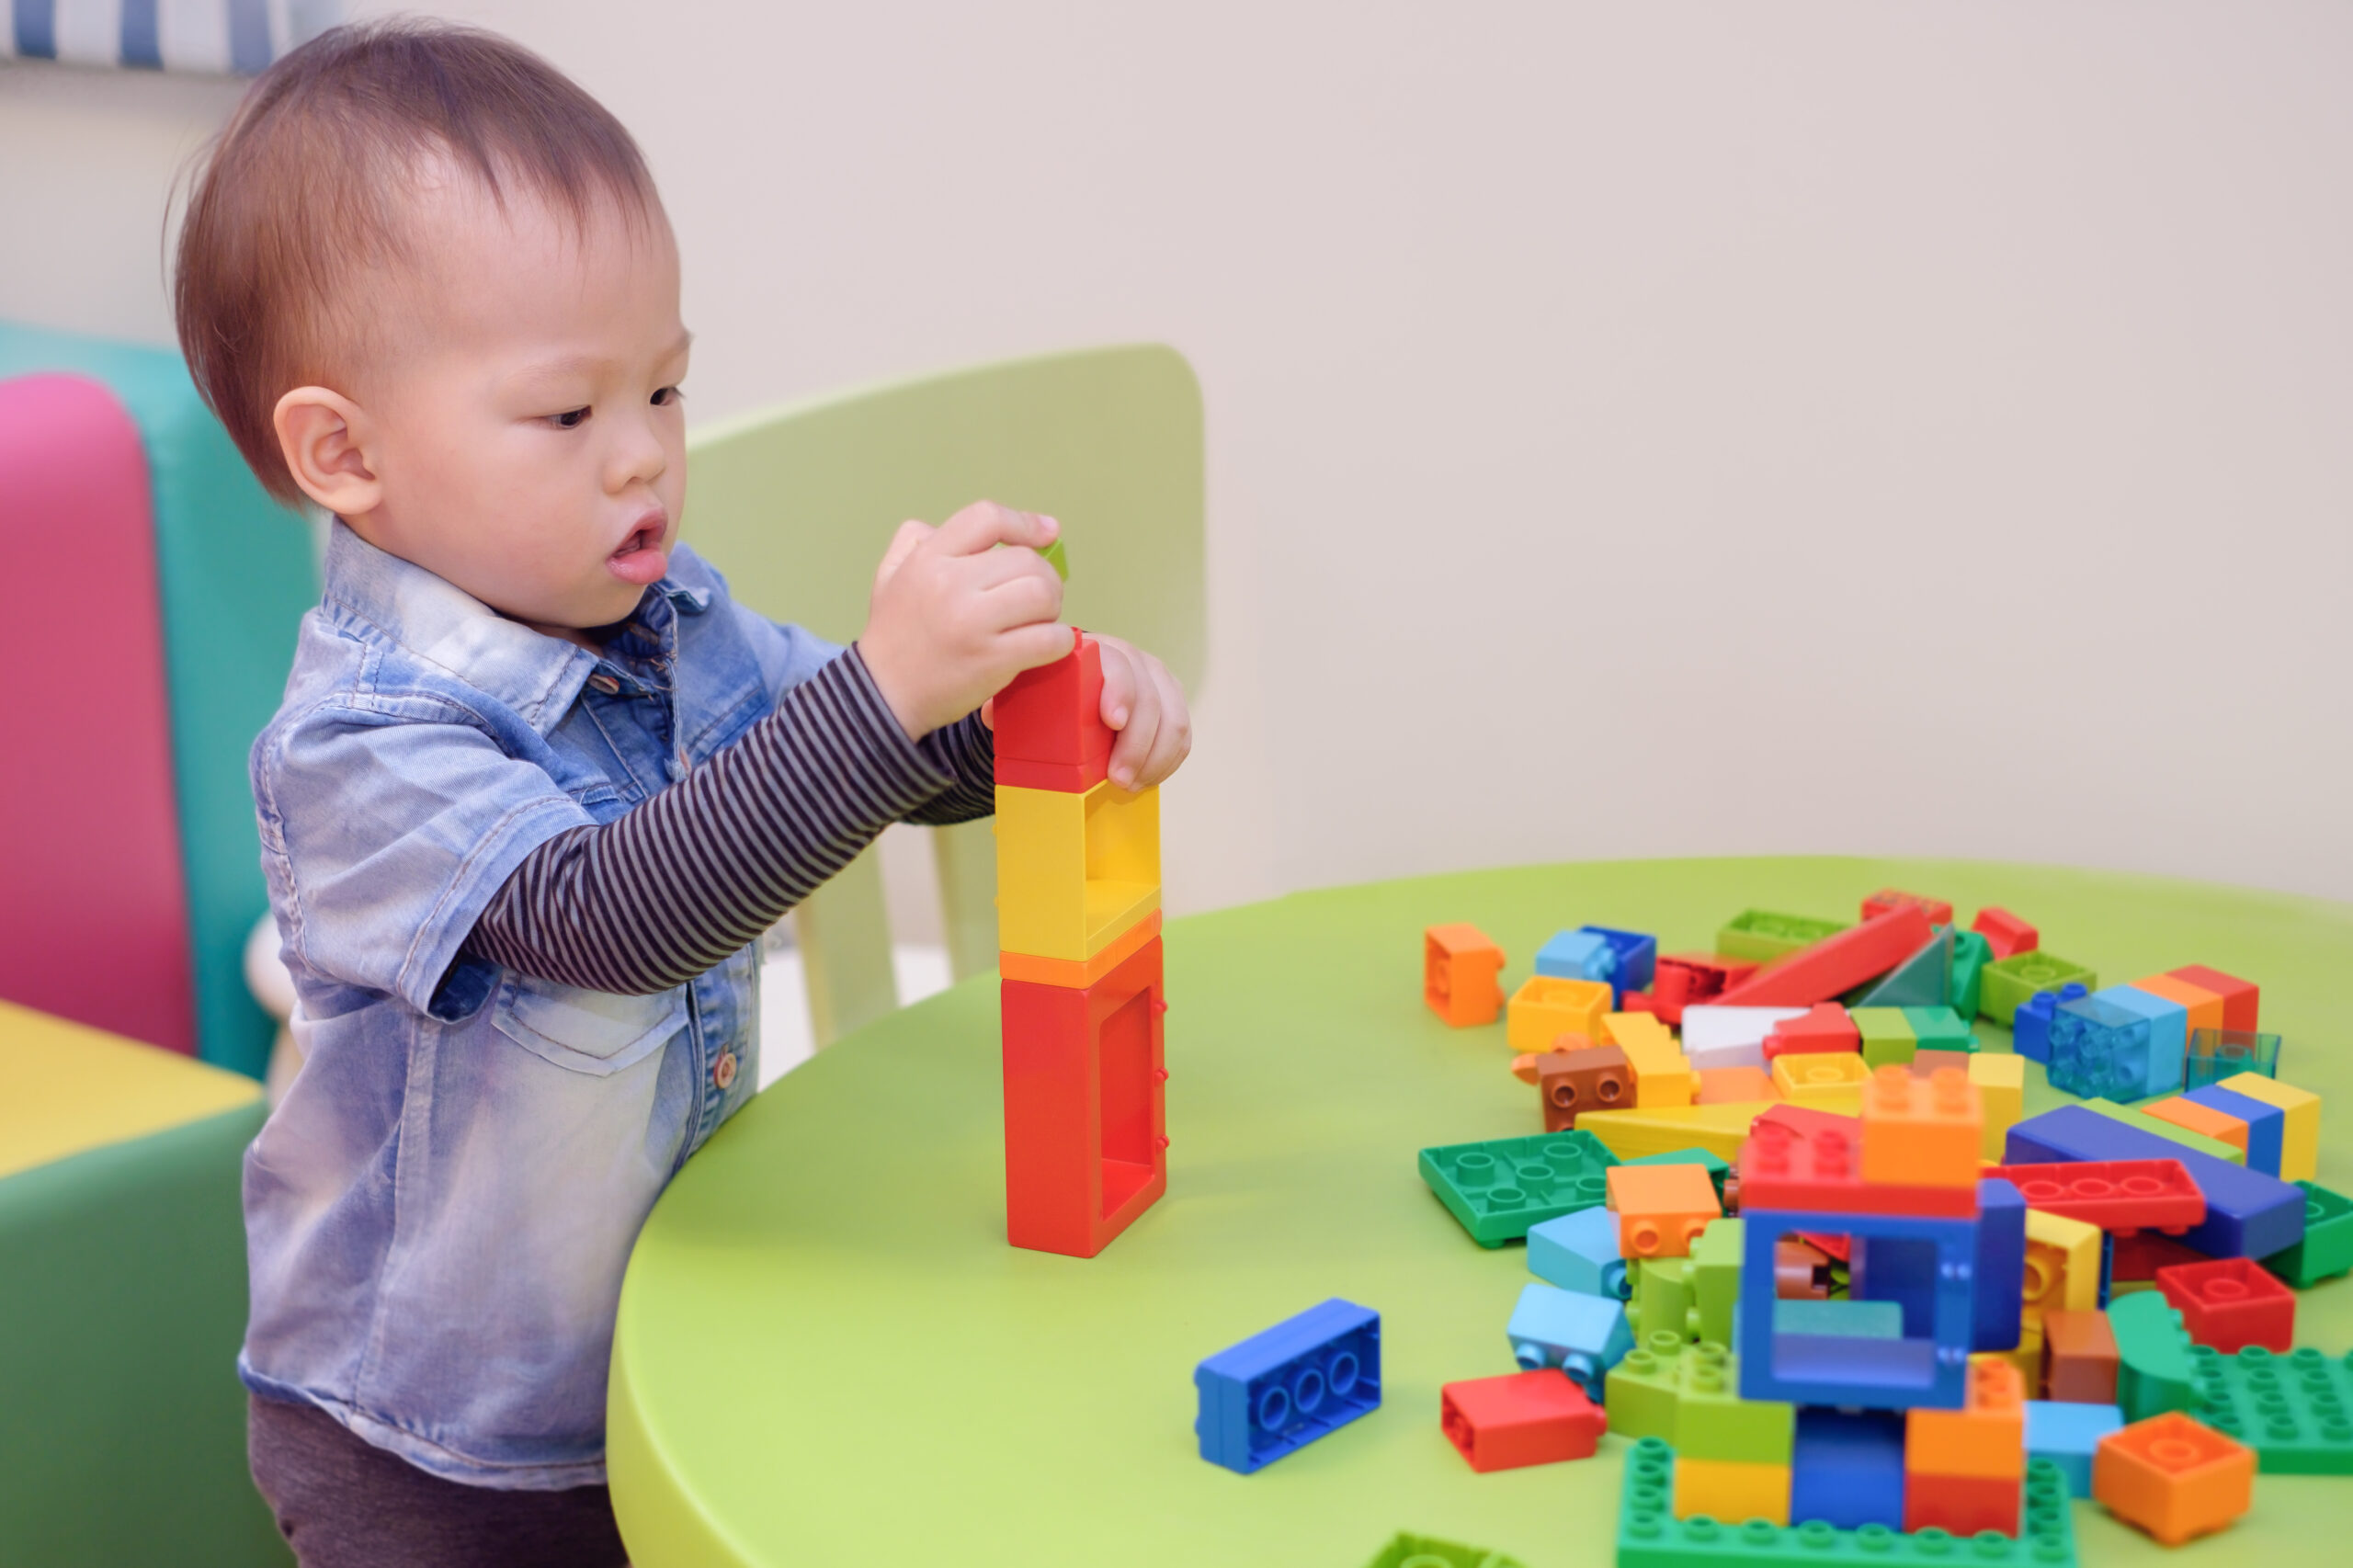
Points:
(1078, 930)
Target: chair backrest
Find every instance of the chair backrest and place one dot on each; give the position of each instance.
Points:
(795, 505)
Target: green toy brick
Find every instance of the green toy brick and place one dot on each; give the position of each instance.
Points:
(1712, 1422)
(1058, 558)
(2006, 983)
(1765, 935)
(2154, 1370)
(1427, 1551)
(1971, 953)
(1941, 1028)
(1665, 1300)
(1497, 1189)
(2164, 1129)
(1716, 1166)
(2295, 1410)
(1715, 1276)
(2326, 1250)
(1643, 1390)
(1887, 1036)
(1649, 1536)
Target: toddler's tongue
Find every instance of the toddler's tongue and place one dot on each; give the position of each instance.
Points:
(638, 561)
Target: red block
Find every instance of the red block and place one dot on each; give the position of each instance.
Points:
(1540, 1417)
(1820, 1171)
(1684, 980)
(1810, 1121)
(2115, 1195)
(1050, 728)
(2138, 1254)
(1085, 1149)
(1835, 964)
(1829, 1027)
(1962, 1505)
(2241, 998)
(1939, 912)
(2004, 932)
(1637, 1002)
(2231, 1303)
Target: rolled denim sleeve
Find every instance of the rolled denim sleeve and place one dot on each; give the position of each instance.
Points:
(404, 826)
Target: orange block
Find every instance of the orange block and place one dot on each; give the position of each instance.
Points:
(1986, 1437)
(2205, 1006)
(2220, 1125)
(1661, 1209)
(1921, 1132)
(1459, 964)
(1733, 1086)
(2174, 1477)
(1077, 974)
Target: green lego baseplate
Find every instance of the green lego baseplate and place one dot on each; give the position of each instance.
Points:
(1501, 1187)
(2326, 1250)
(1649, 1536)
(1767, 933)
(2295, 1410)
(1405, 1551)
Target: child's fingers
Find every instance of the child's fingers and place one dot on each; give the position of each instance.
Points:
(1134, 748)
(1172, 739)
(984, 525)
(903, 543)
(1118, 682)
(1029, 646)
(1024, 598)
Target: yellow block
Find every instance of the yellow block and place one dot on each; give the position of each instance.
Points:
(65, 1089)
(1826, 1080)
(2061, 1266)
(1074, 871)
(1732, 1491)
(2001, 1089)
(2299, 1139)
(1549, 1005)
(1627, 1030)
(1718, 1128)
(1663, 1074)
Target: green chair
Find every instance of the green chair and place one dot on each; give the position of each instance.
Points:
(796, 505)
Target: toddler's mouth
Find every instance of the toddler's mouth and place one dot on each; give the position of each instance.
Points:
(641, 558)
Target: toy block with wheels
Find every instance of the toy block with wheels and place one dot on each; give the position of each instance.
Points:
(1078, 920)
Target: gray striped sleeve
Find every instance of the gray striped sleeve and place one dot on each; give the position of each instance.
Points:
(663, 892)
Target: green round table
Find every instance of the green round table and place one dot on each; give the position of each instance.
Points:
(827, 1354)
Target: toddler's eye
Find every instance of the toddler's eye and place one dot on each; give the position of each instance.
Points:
(570, 418)
(664, 396)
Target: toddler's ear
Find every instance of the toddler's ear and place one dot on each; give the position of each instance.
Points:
(322, 436)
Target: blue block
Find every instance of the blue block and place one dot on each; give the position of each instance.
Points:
(1929, 1265)
(1283, 1389)
(2169, 1037)
(1584, 1335)
(1637, 959)
(2030, 1029)
(2066, 1434)
(1577, 955)
(2267, 1125)
(2248, 1214)
(1846, 1469)
(1579, 1252)
(2001, 1266)
(2100, 1048)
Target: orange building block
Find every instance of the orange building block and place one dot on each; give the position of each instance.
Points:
(1921, 1132)
(1547, 1006)
(1077, 974)
(2206, 1008)
(1661, 1209)
(1733, 1086)
(1985, 1437)
(2241, 999)
(2174, 1477)
(2218, 1125)
(1459, 964)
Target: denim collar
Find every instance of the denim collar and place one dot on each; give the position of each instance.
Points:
(535, 675)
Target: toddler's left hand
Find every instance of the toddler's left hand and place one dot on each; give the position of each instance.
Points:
(1143, 702)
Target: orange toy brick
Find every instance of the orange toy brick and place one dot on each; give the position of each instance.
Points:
(1735, 1085)
(1459, 964)
(2220, 1126)
(1985, 1437)
(2241, 999)
(1921, 1132)
(2206, 1008)
(2174, 1477)
(2079, 1358)
(1962, 1505)
(1574, 1082)
(1661, 1209)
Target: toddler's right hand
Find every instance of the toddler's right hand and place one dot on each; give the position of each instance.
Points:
(953, 617)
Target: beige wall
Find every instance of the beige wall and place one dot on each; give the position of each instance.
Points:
(1635, 429)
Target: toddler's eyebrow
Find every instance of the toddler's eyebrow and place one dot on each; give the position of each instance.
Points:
(589, 364)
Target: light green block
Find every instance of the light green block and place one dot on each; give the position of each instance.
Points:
(1715, 1423)
(1715, 1277)
(1888, 1039)
(1664, 1299)
(1765, 935)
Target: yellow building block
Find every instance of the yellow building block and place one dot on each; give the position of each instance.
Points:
(2299, 1139)
(2061, 1266)
(1826, 1080)
(1922, 1131)
(1732, 1491)
(1549, 1005)
(1718, 1128)
(1074, 871)
(1663, 1074)
(2001, 1091)
(1625, 1030)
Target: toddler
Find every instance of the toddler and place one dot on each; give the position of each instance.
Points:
(538, 784)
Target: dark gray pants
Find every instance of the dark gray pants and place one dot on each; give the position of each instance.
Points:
(343, 1503)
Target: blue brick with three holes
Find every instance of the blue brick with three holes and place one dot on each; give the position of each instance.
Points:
(1279, 1391)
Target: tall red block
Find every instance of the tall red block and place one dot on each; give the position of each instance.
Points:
(1086, 1139)
(1050, 728)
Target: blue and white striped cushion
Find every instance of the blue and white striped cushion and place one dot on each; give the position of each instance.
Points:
(162, 35)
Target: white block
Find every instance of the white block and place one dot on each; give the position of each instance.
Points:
(1730, 1037)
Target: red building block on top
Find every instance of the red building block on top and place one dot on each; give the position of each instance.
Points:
(1684, 980)
(2115, 1195)
(1829, 1027)
(1939, 912)
(2004, 932)
(2231, 1303)
(1835, 965)
(1085, 1147)
(1820, 1171)
(1523, 1418)
(2241, 998)
(1050, 728)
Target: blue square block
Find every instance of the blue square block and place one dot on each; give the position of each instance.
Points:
(2116, 1045)
(1283, 1389)
(1584, 1335)
(2001, 1266)
(1577, 955)
(1579, 1252)
(2248, 1214)
(2066, 1434)
(2267, 1125)
(1846, 1469)
(1637, 960)
(1928, 1265)
(2031, 1028)
(2168, 1036)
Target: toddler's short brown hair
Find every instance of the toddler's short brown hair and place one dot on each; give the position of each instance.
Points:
(302, 187)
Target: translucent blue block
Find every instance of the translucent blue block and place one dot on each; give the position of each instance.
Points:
(2066, 1434)
(2169, 1037)
(1584, 1335)
(1579, 1252)
(1279, 1391)
(2100, 1049)
(2030, 1029)
(2217, 1054)
(1637, 959)
(1577, 955)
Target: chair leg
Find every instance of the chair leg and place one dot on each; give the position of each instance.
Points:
(843, 934)
(967, 859)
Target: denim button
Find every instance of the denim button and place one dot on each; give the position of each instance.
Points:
(724, 1073)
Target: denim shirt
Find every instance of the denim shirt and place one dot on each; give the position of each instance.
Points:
(438, 1214)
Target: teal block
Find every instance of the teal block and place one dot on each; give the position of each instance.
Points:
(2326, 1250)
(1921, 980)
(1941, 1028)
(1498, 1188)
(2067, 1435)
(1860, 1319)
(1971, 953)
(2295, 1410)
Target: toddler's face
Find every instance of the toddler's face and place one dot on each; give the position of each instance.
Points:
(527, 432)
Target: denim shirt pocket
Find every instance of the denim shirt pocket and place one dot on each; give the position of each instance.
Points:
(596, 1032)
